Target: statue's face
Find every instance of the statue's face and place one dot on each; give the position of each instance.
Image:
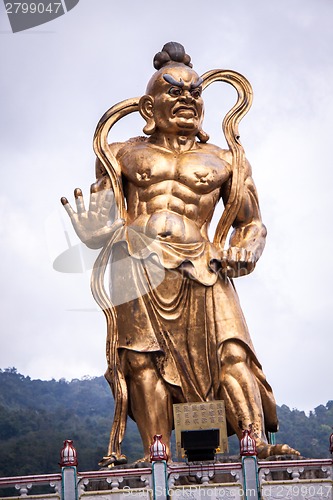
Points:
(178, 106)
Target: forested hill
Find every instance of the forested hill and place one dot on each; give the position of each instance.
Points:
(36, 416)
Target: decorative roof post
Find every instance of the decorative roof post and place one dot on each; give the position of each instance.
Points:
(248, 451)
(158, 457)
(68, 463)
(331, 442)
(248, 445)
(158, 449)
(68, 455)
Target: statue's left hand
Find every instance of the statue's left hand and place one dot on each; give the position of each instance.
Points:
(237, 261)
(93, 226)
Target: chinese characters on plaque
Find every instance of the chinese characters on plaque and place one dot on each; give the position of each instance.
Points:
(198, 416)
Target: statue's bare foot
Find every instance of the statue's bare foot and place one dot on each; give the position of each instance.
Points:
(267, 450)
(146, 459)
(112, 460)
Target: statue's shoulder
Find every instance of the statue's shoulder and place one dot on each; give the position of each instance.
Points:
(223, 154)
(226, 156)
(120, 148)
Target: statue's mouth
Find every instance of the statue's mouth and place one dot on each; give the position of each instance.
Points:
(185, 111)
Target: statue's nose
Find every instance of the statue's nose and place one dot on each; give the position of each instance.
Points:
(187, 97)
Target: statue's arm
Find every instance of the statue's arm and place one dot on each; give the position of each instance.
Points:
(248, 237)
(95, 225)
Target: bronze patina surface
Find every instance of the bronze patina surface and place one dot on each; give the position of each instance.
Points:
(182, 337)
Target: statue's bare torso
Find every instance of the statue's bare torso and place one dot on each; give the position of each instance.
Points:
(172, 195)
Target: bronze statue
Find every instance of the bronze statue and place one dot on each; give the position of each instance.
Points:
(181, 337)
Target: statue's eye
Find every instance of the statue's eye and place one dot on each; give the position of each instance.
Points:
(175, 91)
(196, 93)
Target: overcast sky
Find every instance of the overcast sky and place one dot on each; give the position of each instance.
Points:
(56, 82)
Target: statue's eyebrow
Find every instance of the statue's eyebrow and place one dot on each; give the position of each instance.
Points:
(168, 78)
(197, 83)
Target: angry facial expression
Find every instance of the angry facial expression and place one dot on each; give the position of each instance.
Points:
(178, 106)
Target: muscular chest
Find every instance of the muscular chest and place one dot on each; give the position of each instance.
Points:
(200, 171)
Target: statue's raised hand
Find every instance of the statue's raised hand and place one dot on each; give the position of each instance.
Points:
(95, 225)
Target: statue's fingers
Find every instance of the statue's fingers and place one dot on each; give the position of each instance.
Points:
(96, 196)
(107, 202)
(250, 261)
(99, 185)
(101, 199)
(67, 207)
(233, 254)
(79, 201)
(241, 255)
(93, 206)
(224, 259)
(109, 196)
(249, 256)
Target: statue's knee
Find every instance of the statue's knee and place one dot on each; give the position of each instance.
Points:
(137, 362)
(233, 353)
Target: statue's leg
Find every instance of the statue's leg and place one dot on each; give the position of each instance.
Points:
(241, 395)
(240, 390)
(149, 398)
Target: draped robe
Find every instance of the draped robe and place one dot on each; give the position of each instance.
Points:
(172, 300)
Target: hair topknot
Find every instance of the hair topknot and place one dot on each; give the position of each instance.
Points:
(171, 52)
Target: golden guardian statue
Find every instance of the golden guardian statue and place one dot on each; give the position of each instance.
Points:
(175, 329)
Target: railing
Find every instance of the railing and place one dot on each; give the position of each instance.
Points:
(136, 482)
(243, 480)
(218, 480)
(301, 479)
(46, 486)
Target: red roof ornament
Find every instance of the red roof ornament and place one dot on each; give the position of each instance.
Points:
(68, 455)
(248, 445)
(158, 450)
